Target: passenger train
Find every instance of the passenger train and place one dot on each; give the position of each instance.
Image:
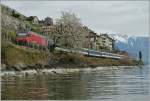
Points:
(34, 38)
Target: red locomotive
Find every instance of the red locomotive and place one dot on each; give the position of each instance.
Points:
(31, 37)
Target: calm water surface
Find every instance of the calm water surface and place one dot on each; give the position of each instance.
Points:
(122, 84)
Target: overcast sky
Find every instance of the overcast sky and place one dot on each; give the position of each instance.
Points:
(127, 17)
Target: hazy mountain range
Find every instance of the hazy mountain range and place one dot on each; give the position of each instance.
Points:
(133, 45)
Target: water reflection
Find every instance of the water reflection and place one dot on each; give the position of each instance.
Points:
(96, 84)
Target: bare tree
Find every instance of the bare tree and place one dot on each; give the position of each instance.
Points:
(70, 31)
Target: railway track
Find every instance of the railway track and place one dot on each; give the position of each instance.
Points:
(92, 53)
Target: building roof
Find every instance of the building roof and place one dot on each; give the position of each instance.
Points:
(106, 35)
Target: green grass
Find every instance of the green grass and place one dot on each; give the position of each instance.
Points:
(13, 54)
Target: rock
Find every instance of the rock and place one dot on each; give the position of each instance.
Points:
(3, 67)
(20, 66)
(46, 66)
(39, 66)
(31, 67)
(16, 68)
(10, 68)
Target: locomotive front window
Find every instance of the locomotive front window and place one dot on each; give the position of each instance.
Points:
(21, 35)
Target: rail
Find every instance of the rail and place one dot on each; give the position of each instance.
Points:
(92, 53)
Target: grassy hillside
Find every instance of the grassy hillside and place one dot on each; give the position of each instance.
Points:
(13, 54)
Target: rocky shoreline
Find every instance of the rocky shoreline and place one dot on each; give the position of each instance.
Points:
(57, 70)
(23, 67)
(22, 70)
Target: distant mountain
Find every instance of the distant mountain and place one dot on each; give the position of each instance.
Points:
(133, 45)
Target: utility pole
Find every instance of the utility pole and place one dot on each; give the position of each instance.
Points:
(140, 55)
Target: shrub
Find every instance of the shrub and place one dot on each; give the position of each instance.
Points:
(16, 15)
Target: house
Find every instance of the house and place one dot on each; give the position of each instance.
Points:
(97, 42)
(47, 25)
(92, 36)
(48, 21)
(89, 38)
(33, 19)
(47, 29)
(106, 42)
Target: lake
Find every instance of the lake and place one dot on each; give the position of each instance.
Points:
(122, 84)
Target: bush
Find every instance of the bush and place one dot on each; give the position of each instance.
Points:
(16, 15)
(37, 29)
(8, 34)
(30, 18)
